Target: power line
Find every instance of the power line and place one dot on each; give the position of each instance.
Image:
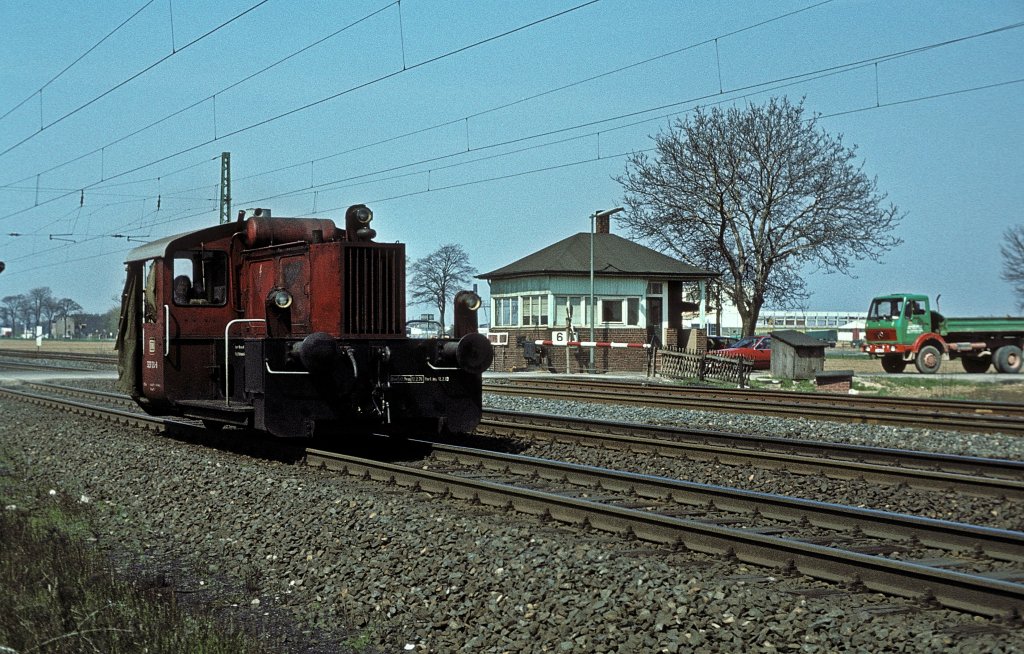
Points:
(813, 74)
(751, 89)
(523, 99)
(326, 99)
(462, 184)
(790, 80)
(132, 77)
(80, 57)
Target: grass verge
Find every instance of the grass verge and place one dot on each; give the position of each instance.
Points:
(61, 595)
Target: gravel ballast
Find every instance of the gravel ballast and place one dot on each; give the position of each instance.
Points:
(382, 567)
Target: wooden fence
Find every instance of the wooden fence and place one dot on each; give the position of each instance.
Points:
(689, 365)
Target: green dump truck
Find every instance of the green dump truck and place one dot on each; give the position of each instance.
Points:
(902, 328)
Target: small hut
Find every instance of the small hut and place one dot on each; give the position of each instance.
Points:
(796, 355)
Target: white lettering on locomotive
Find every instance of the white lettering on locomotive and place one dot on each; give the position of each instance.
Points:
(415, 379)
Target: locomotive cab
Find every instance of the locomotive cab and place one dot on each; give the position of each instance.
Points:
(290, 326)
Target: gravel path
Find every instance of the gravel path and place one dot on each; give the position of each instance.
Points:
(384, 569)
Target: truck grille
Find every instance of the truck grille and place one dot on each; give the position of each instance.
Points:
(373, 304)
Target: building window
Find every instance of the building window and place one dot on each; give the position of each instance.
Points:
(535, 310)
(611, 311)
(506, 311)
(574, 306)
(654, 288)
(633, 311)
(622, 311)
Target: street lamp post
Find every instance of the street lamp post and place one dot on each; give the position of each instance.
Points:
(593, 309)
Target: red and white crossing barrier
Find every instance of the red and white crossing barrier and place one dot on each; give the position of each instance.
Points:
(593, 344)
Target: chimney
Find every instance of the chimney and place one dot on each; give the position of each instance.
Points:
(602, 225)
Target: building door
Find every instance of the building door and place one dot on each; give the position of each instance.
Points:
(655, 320)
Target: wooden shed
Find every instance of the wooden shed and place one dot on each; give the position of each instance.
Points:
(796, 355)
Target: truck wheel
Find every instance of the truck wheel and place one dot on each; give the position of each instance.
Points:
(929, 360)
(893, 364)
(975, 364)
(1007, 359)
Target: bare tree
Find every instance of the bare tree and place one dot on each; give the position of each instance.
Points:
(67, 307)
(38, 299)
(762, 194)
(54, 309)
(439, 275)
(1013, 261)
(17, 308)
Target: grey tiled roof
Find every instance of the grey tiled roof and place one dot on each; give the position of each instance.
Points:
(797, 339)
(613, 255)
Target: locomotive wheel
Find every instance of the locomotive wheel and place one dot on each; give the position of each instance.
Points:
(975, 364)
(213, 425)
(1008, 359)
(893, 364)
(928, 360)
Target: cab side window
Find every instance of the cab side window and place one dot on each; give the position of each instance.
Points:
(200, 278)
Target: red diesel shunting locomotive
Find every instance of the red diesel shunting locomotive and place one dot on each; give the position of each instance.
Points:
(290, 325)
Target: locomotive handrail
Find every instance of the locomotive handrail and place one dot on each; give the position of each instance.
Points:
(433, 367)
(167, 330)
(227, 354)
(284, 372)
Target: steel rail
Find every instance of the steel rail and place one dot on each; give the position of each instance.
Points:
(972, 407)
(971, 475)
(65, 356)
(74, 391)
(957, 590)
(971, 593)
(760, 403)
(999, 544)
(923, 470)
(132, 418)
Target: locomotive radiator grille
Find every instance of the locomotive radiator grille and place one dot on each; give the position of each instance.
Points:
(374, 290)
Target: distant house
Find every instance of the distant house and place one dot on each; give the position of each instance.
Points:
(638, 298)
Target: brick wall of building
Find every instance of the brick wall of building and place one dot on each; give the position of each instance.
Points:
(510, 358)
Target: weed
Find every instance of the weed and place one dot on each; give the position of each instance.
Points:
(61, 595)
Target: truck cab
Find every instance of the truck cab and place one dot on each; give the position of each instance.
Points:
(902, 328)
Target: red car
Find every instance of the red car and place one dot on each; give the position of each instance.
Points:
(755, 348)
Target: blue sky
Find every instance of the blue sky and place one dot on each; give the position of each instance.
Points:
(496, 125)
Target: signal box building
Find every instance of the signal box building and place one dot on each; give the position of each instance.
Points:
(638, 300)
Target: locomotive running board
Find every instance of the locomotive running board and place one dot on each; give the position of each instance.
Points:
(235, 414)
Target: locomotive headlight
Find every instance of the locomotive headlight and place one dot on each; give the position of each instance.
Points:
(282, 299)
(469, 299)
(363, 214)
(357, 223)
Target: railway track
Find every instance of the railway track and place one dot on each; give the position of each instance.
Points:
(956, 415)
(960, 415)
(924, 470)
(969, 568)
(108, 359)
(663, 511)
